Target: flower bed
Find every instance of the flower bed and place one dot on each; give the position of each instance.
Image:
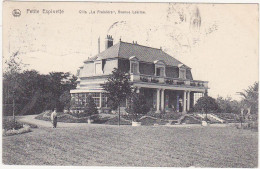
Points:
(10, 124)
(190, 120)
(148, 121)
(62, 117)
(114, 121)
(22, 130)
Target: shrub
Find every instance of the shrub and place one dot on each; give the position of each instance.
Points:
(206, 104)
(144, 79)
(91, 107)
(9, 124)
(171, 115)
(114, 121)
(169, 81)
(154, 80)
(137, 106)
(190, 120)
(14, 132)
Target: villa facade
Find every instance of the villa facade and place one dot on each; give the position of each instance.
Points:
(166, 82)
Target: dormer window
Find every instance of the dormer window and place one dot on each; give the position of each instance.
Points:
(182, 71)
(159, 68)
(134, 68)
(160, 71)
(134, 65)
(98, 68)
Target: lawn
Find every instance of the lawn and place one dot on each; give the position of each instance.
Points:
(157, 146)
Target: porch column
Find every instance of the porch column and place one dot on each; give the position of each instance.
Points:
(184, 101)
(158, 101)
(188, 101)
(177, 105)
(100, 100)
(138, 90)
(162, 100)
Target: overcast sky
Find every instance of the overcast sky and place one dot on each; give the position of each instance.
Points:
(222, 48)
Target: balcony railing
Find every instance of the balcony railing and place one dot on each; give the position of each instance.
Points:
(168, 80)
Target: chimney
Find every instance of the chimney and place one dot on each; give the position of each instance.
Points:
(98, 44)
(109, 41)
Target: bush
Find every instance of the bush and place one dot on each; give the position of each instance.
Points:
(206, 104)
(14, 132)
(137, 106)
(165, 115)
(9, 124)
(148, 121)
(190, 120)
(91, 107)
(171, 116)
(114, 121)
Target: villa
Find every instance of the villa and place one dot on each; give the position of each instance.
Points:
(166, 82)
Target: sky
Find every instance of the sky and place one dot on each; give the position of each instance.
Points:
(218, 41)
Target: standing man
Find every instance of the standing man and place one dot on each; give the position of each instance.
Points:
(54, 118)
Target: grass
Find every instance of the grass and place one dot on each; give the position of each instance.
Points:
(155, 146)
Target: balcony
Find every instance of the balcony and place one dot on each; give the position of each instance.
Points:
(168, 81)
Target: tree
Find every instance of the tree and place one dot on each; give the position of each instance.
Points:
(35, 92)
(228, 105)
(57, 84)
(206, 104)
(14, 67)
(65, 100)
(91, 107)
(250, 99)
(117, 88)
(137, 105)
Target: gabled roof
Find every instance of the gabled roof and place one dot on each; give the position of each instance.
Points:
(143, 53)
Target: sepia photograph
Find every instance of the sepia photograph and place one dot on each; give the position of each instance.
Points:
(130, 84)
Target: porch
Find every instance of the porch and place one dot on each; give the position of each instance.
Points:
(170, 100)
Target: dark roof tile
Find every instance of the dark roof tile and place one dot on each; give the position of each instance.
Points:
(143, 53)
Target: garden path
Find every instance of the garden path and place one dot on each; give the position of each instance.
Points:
(41, 123)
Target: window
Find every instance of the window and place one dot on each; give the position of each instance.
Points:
(182, 73)
(76, 98)
(159, 68)
(134, 68)
(96, 97)
(159, 71)
(162, 71)
(104, 100)
(98, 68)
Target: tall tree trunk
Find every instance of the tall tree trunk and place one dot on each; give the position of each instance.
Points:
(13, 107)
(119, 114)
(241, 117)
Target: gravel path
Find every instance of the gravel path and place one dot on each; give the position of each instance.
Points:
(41, 123)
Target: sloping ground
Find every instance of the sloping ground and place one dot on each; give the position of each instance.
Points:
(68, 118)
(228, 117)
(148, 121)
(114, 121)
(211, 118)
(62, 117)
(160, 146)
(189, 119)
